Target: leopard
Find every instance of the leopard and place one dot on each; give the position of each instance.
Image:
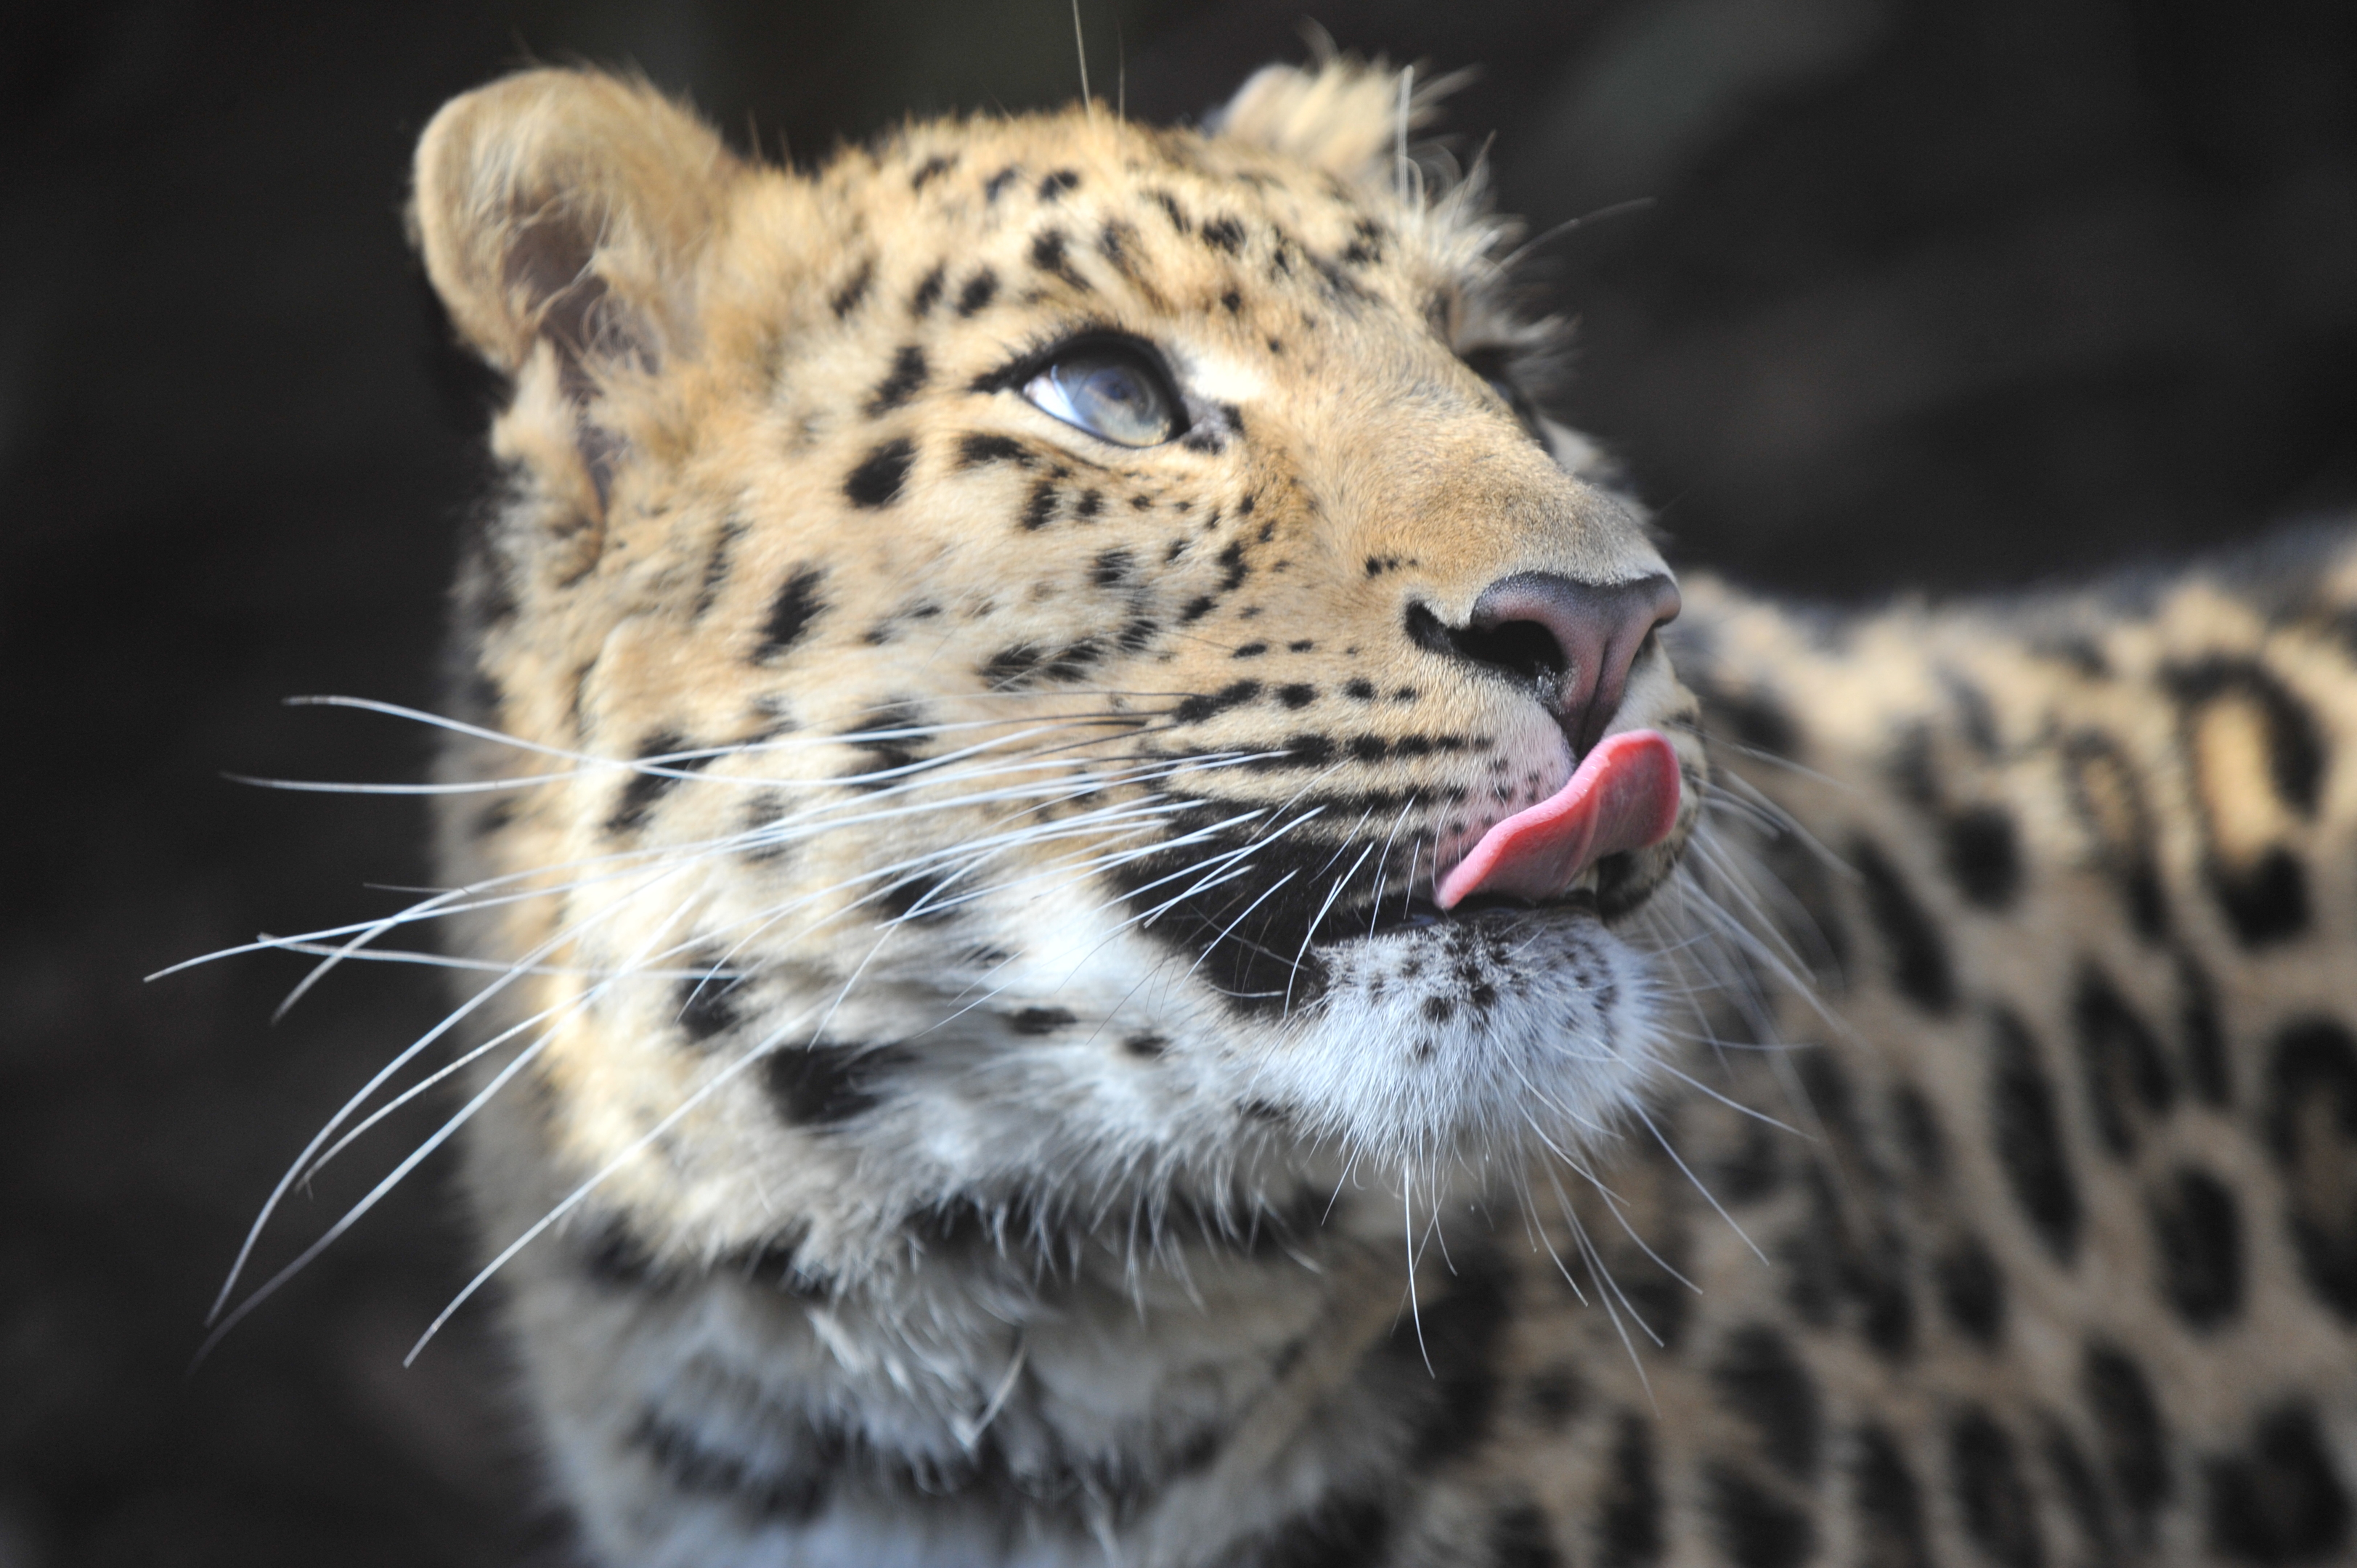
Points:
(1113, 910)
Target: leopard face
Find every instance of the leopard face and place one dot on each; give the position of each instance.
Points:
(994, 646)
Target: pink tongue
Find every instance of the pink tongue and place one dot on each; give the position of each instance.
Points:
(1623, 796)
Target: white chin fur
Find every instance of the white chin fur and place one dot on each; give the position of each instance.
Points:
(1466, 1038)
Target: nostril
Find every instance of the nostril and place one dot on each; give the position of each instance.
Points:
(1525, 649)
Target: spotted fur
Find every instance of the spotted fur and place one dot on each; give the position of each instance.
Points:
(969, 1070)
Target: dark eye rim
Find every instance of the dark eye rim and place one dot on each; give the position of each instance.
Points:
(1017, 373)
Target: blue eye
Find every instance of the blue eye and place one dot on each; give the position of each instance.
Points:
(1111, 391)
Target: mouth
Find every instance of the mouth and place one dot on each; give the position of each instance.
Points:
(1421, 913)
(1570, 859)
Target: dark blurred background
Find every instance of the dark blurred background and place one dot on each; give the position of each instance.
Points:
(1938, 296)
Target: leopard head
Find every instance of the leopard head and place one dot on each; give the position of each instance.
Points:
(996, 652)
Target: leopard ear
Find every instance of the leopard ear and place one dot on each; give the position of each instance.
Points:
(569, 210)
(1342, 115)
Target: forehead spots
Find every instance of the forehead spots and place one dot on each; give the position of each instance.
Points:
(877, 481)
(1047, 254)
(1053, 186)
(928, 292)
(799, 604)
(978, 291)
(848, 298)
(1224, 234)
(933, 168)
(907, 375)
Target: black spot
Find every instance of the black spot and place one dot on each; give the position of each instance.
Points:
(1914, 767)
(798, 604)
(877, 481)
(1918, 958)
(1763, 1381)
(1756, 1530)
(1114, 242)
(706, 1002)
(615, 1259)
(908, 373)
(645, 788)
(1250, 651)
(2311, 1129)
(1973, 1289)
(1224, 234)
(1196, 609)
(1144, 1045)
(1235, 568)
(1359, 690)
(1039, 509)
(916, 895)
(497, 817)
(2082, 1494)
(1442, 1362)
(1088, 505)
(847, 298)
(821, 1086)
(2125, 1072)
(1340, 1533)
(931, 169)
(1196, 709)
(2280, 1501)
(1040, 1021)
(2129, 1431)
(1519, 1538)
(978, 291)
(975, 450)
(995, 186)
(1838, 1266)
(2266, 900)
(1297, 695)
(2030, 1137)
(1231, 302)
(2205, 1041)
(1554, 1395)
(1112, 568)
(1047, 254)
(716, 567)
(1918, 1133)
(793, 1495)
(1890, 1505)
(1172, 210)
(1754, 718)
(1754, 1168)
(1053, 186)
(2198, 1233)
(929, 291)
(1629, 1506)
(1997, 1510)
(1984, 857)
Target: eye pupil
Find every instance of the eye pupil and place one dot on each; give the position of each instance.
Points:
(1111, 391)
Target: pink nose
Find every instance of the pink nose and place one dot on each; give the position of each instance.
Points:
(1573, 642)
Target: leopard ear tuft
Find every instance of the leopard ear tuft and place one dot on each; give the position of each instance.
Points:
(1342, 115)
(571, 209)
